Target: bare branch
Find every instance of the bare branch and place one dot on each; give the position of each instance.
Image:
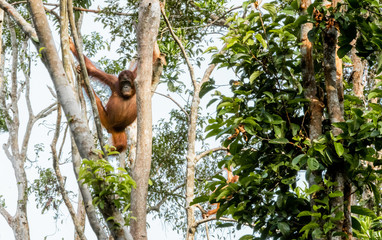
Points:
(177, 40)
(92, 11)
(85, 76)
(158, 205)
(169, 97)
(60, 179)
(205, 153)
(211, 68)
(6, 214)
(27, 27)
(197, 223)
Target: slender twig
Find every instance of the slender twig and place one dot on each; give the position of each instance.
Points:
(85, 77)
(177, 40)
(93, 11)
(24, 25)
(60, 180)
(160, 203)
(169, 97)
(52, 12)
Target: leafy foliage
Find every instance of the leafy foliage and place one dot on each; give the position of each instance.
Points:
(107, 183)
(264, 123)
(47, 191)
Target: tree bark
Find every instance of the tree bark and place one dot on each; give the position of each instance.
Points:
(66, 97)
(19, 222)
(148, 24)
(357, 74)
(334, 90)
(1, 49)
(310, 87)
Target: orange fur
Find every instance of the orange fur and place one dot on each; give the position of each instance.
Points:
(230, 179)
(121, 109)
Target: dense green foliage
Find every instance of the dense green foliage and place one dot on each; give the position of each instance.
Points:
(264, 121)
(107, 182)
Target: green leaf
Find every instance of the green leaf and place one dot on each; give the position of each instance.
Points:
(224, 104)
(375, 93)
(246, 237)
(311, 225)
(248, 35)
(279, 141)
(297, 159)
(313, 189)
(295, 128)
(224, 225)
(270, 8)
(363, 211)
(339, 148)
(260, 38)
(313, 164)
(342, 51)
(284, 228)
(336, 194)
(356, 224)
(200, 199)
(254, 75)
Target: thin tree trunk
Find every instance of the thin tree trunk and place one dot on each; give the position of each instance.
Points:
(66, 96)
(310, 87)
(19, 223)
(148, 24)
(1, 49)
(316, 104)
(334, 90)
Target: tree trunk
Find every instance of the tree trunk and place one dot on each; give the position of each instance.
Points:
(357, 74)
(190, 170)
(19, 222)
(66, 97)
(1, 48)
(148, 24)
(334, 90)
(316, 104)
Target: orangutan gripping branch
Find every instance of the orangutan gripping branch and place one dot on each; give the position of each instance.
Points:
(121, 109)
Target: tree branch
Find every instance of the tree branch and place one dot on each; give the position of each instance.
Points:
(169, 97)
(205, 153)
(60, 180)
(158, 205)
(177, 40)
(25, 26)
(197, 223)
(85, 77)
(6, 214)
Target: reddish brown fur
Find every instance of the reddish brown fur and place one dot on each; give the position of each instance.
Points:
(230, 179)
(119, 111)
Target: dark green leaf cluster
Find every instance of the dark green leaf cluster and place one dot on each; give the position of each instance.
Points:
(107, 182)
(264, 122)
